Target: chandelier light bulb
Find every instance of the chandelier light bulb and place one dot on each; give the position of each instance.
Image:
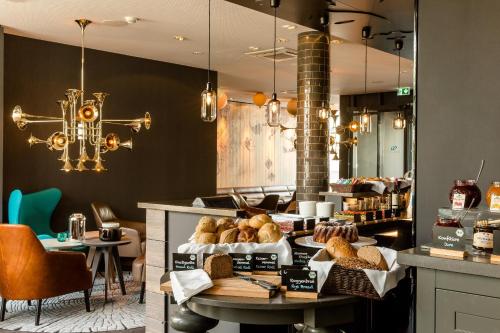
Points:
(88, 112)
(57, 141)
(112, 142)
(17, 114)
(354, 126)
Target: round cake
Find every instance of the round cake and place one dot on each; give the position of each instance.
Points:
(323, 231)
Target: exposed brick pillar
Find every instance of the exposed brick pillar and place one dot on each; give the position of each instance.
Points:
(312, 135)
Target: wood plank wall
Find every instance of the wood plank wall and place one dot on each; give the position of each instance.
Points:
(249, 152)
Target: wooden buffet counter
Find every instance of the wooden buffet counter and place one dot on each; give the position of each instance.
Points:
(168, 225)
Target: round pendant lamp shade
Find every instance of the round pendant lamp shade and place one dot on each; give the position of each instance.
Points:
(221, 100)
(259, 99)
(291, 107)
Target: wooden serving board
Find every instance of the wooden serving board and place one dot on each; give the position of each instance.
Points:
(235, 287)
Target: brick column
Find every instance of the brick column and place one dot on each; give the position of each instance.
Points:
(312, 135)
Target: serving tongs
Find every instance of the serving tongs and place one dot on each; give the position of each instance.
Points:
(273, 288)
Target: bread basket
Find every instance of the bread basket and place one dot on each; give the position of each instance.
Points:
(350, 188)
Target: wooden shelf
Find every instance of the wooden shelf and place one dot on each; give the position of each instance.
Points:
(350, 195)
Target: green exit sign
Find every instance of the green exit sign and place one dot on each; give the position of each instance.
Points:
(404, 91)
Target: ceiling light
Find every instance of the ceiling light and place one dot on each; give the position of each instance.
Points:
(131, 19)
(197, 52)
(179, 38)
(274, 105)
(336, 41)
(209, 95)
(282, 40)
(289, 26)
(254, 48)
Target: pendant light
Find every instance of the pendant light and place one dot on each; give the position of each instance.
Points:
(274, 105)
(324, 112)
(209, 95)
(365, 118)
(399, 122)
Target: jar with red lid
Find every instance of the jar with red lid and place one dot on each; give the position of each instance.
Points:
(462, 194)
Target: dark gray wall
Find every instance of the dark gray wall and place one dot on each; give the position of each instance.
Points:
(175, 159)
(458, 113)
(1, 110)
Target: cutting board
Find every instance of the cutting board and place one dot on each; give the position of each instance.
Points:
(235, 287)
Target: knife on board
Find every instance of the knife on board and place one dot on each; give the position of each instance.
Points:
(261, 283)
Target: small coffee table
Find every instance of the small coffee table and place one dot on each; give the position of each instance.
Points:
(108, 250)
(52, 244)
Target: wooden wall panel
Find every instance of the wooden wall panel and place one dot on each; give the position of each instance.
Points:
(249, 152)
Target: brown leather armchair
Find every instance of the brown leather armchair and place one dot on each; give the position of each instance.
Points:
(136, 231)
(28, 272)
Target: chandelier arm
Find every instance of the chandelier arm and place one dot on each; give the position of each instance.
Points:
(28, 116)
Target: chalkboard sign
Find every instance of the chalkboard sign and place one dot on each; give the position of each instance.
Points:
(302, 255)
(183, 261)
(284, 272)
(301, 280)
(242, 262)
(448, 238)
(265, 261)
(496, 242)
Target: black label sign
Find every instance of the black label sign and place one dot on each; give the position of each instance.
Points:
(284, 272)
(265, 261)
(302, 280)
(183, 261)
(301, 256)
(496, 242)
(242, 262)
(448, 238)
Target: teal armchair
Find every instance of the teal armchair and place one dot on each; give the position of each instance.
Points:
(34, 210)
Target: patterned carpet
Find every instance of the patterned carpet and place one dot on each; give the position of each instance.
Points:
(67, 313)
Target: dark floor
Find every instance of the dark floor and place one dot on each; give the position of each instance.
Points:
(134, 330)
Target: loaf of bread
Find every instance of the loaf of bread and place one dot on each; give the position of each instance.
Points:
(206, 238)
(206, 224)
(229, 236)
(219, 266)
(269, 233)
(355, 263)
(258, 221)
(373, 256)
(323, 231)
(338, 247)
(247, 235)
(243, 223)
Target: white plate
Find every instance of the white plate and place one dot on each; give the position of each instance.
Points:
(307, 241)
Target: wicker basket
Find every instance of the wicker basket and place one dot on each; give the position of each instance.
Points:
(347, 281)
(350, 188)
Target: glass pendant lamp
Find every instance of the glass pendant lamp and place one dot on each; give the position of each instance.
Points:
(365, 122)
(324, 112)
(399, 122)
(365, 118)
(274, 105)
(209, 95)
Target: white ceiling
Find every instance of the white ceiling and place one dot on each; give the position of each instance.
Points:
(234, 29)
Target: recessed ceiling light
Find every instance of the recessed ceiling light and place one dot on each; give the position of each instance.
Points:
(179, 38)
(131, 19)
(404, 71)
(197, 52)
(282, 40)
(377, 82)
(253, 48)
(336, 41)
(289, 26)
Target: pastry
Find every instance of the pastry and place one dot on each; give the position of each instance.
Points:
(206, 224)
(219, 266)
(243, 223)
(269, 233)
(323, 231)
(206, 238)
(258, 221)
(224, 224)
(355, 263)
(372, 255)
(338, 247)
(247, 235)
(229, 236)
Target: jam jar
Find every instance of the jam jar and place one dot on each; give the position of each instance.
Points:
(483, 236)
(493, 193)
(463, 192)
(448, 218)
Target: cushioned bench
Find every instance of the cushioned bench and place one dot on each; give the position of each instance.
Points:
(255, 194)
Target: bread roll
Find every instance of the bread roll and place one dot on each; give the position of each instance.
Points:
(269, 233)
(223, 225)
(206, 224)
(219, 266)
(372, 255)
(247, 235)
(243, 223)
(258, 221)
(229, 236)
(338, 247)
(206, 238)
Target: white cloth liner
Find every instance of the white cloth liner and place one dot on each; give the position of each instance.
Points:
(186, 284)
(382, 281)
(282, 248)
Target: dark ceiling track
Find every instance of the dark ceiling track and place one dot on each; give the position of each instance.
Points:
(354, 11)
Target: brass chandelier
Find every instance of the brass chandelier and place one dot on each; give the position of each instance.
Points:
(82, 124)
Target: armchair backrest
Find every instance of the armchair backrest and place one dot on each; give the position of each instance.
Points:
(21, 256)
(34, 209)
(102, 213)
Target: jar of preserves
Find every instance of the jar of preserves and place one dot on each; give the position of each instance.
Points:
(483, 236)
(448, 218)
(493, 196)
(463, 193)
